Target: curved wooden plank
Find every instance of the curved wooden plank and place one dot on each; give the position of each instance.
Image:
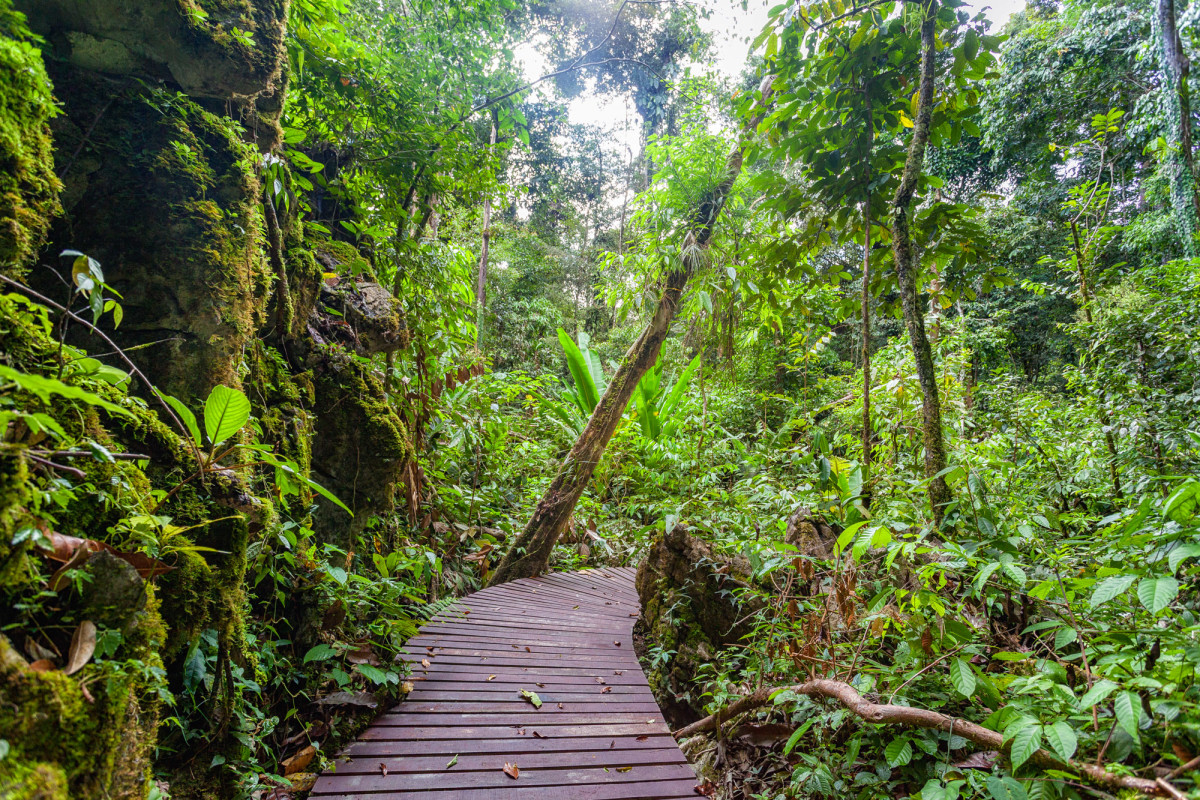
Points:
(568, 637)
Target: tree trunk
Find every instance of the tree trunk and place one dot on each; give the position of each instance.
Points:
(1182, 170)
(907, 267)
(866, 349)
(481, 273)
(529, 554)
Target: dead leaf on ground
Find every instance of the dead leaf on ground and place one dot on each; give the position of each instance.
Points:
(42, 665)
(606, 690)
(706, 789)
(616, 644)
(532, 697)
(491, 677)
(643, 738)
(383, 768)
(83, 645)
(64, 548)
(360, 699)
(624, 769)
(511, 770)
(764, 735)
(537, 735)
(425, 663)
(297, 762)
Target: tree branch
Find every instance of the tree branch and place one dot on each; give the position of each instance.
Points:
(907, 716)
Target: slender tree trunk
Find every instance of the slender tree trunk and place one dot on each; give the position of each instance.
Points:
(1177, 97)
(1085, 296)
(907, 267)
(866, 348)
(529, 554)
(482, 271)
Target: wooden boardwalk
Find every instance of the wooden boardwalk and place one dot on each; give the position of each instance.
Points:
(566, 637)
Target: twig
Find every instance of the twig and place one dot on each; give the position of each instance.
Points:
(85, 453)
(1188, 767)
(78, 473)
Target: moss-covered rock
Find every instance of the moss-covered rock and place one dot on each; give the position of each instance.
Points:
(361, 446)
(28, 186)
(164, 194)
(221, 49)
(694, 602)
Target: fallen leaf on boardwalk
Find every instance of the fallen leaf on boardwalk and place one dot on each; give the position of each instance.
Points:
(643, 738)
(606, 690)
(383, 768)
(616, 644)
(491, 677)
(532, 697)
(618, 672)
(303, 781)
(83, 644)
(560, 705)
(297, 762)
(527, 650)
(537, 735)
(600, 680)
(425, 663)
(511, 770)
(612, 744)
(452, 762)
(406, 687)
(540, 685)
(624, 769)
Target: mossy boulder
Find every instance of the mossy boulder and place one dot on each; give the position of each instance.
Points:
(361, 447)
(28, 186)
(220, 49)
(164, 195)
(695, 601)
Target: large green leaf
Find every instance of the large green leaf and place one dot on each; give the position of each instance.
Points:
(962, 676)
(1006, 788)
(185, 416)
(581, 372)
(1157, 593)
(1128, 708)
(1025, 742)
(899, 752)
(1109, 588)
(225, 412)
(1062, 739)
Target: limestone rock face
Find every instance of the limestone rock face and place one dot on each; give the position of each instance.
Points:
(219, 49)
(691, 604)
(164, 195)
(370, 317)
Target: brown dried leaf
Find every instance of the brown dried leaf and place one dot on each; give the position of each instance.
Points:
(511, 770)
(83, 645)
(42, 665)
(383, 768)
(298, 761)
(643, 737)
(606, 690)
(537, 735)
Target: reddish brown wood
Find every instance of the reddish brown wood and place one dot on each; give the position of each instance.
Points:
(466, 704)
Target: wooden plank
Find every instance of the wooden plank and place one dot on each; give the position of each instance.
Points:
(567, 637)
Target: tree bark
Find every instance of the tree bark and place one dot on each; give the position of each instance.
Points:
(529, 554)
(886, 714)
(907, 267)
(866, 349)
(482, 271)
(1182, 168)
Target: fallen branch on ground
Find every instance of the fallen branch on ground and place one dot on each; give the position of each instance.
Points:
(886, 714)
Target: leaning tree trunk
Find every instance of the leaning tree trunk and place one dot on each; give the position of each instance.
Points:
(529, 554)
(906, 274)
(482, 271)
(866, 353)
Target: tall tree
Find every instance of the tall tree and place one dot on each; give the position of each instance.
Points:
(529, 554)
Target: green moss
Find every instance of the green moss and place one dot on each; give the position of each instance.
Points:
(281, 403)
(361, 446)
(101, 741)
(28, 187)
(343, 258)
(32, 781)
